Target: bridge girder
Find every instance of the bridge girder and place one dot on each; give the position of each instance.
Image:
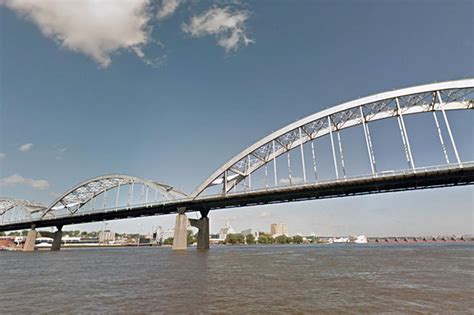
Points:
(451, 95)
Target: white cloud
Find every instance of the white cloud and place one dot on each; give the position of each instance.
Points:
(3, 156)
(25, 147)
(167, 8)
(294, 180)
(92, 27)
(59, 152)
(14, 180)
(226, 25)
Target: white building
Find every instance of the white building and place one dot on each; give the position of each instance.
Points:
(106, 236)
(226, 230)
(250, 231)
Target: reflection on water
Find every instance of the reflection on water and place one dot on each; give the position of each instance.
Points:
(431, 278)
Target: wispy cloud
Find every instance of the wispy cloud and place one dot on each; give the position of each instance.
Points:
(226, 25)
(15, 180)
(59, 152)
(167, 8)
(94, 28)
(25, 147)
(3, 156)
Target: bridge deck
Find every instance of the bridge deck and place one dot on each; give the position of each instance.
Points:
(407, 180)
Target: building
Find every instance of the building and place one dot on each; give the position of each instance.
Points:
(106, 236)
(277, 229)
(226, 230)
(250, 231)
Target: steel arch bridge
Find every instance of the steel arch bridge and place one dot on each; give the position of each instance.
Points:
(254, 176)
(430, 98)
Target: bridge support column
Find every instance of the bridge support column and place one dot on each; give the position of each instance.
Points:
(180, 231)
(29, 245)
(57, 239)
(203, 230)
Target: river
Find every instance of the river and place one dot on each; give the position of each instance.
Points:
(419, 278)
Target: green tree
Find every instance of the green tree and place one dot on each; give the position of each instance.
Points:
(24, 233)
(297, 239)
(2, 234)
(168, 241)
(250, 239)
(14, 234)
(234, 239)
(282, 239)
(191, 238)
(265, 239)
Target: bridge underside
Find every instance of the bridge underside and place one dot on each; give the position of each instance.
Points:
(410, 180)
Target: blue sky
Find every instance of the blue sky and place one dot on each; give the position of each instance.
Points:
(171, 90)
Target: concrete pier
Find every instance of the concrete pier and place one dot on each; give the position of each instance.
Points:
(203, 231)
(57, 239)
(29, 245)
(180, 232)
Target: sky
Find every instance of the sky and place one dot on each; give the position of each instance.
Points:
(170, 90)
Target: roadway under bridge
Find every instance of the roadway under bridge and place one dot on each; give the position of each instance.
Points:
(292, 148)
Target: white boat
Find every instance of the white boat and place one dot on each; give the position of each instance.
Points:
(361, 239)
(44, 242)
(341, 240)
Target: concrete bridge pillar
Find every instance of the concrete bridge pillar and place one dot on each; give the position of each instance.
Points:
(57, 237)
(180, 231)
(203, 230)
(29, 245)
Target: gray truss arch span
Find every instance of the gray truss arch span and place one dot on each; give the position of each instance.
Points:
(19, 209)
(73, 199)
(451, 95)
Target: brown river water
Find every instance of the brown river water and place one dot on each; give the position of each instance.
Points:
(306, 279)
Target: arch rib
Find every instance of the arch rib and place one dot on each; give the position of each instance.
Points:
(89, 189)
(412, 100)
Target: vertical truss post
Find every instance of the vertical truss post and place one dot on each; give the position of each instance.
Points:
(146, 194)
(314, 161)
(440, 135)
(302, 156)
(369, 145)
(117, 196)
(156, 194)
(274, 164)
(93, 203)
(407, 156)
(341, 153)
(249, 174)
(404, 133)
(289, 166)
(130, 194)
(449, 128)
(332, 146)
(266, 175)
(224, 183)
(142, 194)
(104, 199)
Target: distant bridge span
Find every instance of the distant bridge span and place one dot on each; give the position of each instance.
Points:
(254, 176)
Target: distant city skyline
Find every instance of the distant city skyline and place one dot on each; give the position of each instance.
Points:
(170, 99)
